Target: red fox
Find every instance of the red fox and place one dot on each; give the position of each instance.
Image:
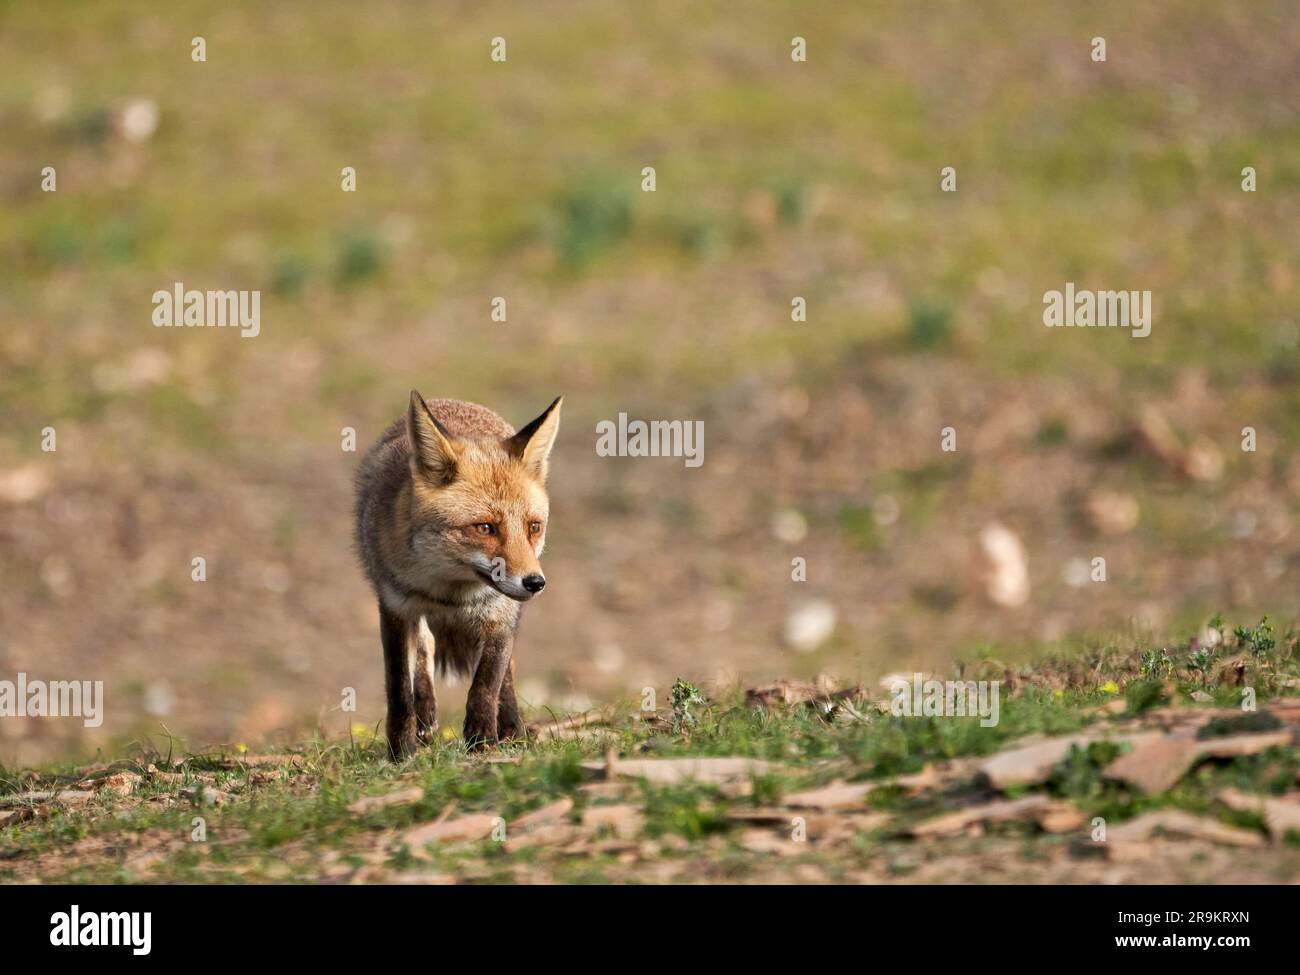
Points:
(451, 519)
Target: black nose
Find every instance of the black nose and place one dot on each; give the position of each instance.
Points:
(534, 583)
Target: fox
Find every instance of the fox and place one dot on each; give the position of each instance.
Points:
(451, 517)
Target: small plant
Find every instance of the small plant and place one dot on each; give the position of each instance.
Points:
(1052, 432)
(1244, 724)
(929, 324)
(791, 200)
(1142, 695)
(361, 255)
(1201, 661)
(859, 525)
(1258, 639)
(684, 696)
(687, 810)
(1156, 663)
(1080, 774)
(591, 218)
(289, 275)
(695, 235)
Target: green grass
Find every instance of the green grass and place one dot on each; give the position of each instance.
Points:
(298, 825)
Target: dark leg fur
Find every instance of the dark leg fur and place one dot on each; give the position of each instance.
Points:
(397, 684)
(510, 726)
(481, 707)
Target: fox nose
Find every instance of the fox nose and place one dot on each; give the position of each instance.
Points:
(534, 583)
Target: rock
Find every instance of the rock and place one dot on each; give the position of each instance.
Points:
(476, 826)
(789, 526)
(784, 826)
(835, 828)
(809, 626)
(1234, 746)
(24, 483)
(159, 699)
(1281, 815)
(1287, 711)
(1202, 461)
(136, 119)
(403, 797)
(1059, 817)
(954, 823)
(1131, 840)
(547, 815)
(1030, 764)
(1112, 512)
(1155, 765)
(1002, 566)
(671, 771)
(837, 795)
(1077, 573)
(929, 777)
(554, 835)
(769, 841)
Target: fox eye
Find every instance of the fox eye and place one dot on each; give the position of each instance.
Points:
(534, 527)
(485, 528)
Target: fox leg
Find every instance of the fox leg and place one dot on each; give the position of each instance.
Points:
(397, 684)
(509, 724)
(426, 700)
(484, 699)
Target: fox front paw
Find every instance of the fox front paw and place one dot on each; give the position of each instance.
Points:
(427, 734)
(402, 746)
(479, 734)
(402, 741)
(511, 728)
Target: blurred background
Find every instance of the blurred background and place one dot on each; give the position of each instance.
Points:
(521, 179)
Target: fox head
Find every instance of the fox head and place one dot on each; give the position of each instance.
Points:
(479, 505)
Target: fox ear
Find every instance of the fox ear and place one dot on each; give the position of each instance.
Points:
(433, 451)
(533, 443)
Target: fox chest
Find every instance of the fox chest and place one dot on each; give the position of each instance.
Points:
(462, 632)
(463, 615)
